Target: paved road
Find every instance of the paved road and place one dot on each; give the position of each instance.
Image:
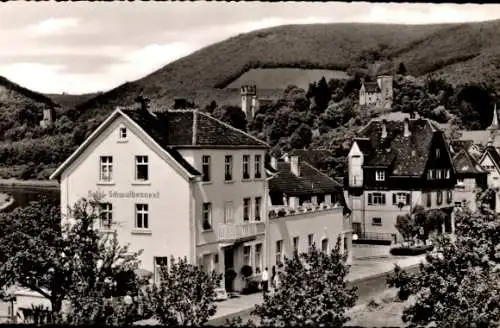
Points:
(367, 289)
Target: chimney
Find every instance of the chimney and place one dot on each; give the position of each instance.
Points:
(406, 132)
(384, 129)
(294, 165)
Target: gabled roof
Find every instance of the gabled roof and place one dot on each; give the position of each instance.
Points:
(464, 163)
(172, 130)
(371, 87)
(191, 128)
(311, 181)
(405, 156)
(494, 155)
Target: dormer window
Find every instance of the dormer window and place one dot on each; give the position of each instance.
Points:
(380, 175)
(438, 152)
(123, 133)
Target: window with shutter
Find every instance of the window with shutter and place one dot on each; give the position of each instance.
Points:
(370, 199)
(394, 200)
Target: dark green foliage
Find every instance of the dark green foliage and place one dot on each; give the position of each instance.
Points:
(459, 286)
(406, 226)
(246, 271)
(73, 263)
(232, 115)
(312, 292)
(185, 295)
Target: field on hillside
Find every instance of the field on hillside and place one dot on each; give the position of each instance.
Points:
(422, 49)
(279, 78)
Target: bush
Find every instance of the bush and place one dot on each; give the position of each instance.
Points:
(246, 271)
(415, 250)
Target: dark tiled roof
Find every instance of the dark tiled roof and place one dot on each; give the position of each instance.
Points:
(464, 163)
(405, 156)
(188, 128)
(311, 181)
(371, 87)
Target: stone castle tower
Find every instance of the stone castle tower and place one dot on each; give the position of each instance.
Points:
(386, 92)
(249, 101)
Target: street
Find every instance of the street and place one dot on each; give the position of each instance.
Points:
(367, 289)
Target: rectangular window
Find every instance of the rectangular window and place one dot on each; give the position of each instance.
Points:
(142, 216)
(141, 168)
(379, 175)
(401, 198)
(376, 198)
(246, 209)
(430, 174)
(279, 252)
(205, 166)
(160, 263)
(438, 152)
(377, 222)
(106, 215)
(295, 244)
(438, 174)
(458, 204)
(310, 240)
(447, 173)
(246, 167)
(257, 208)
(324, 245)
(449, 197)
(429, 199)
(258, 166)
(246, 255)
(228, 213)
(439, 197)
(228, 168)
(207, 216)
(123, 133)
(258, 258)
(106, 170)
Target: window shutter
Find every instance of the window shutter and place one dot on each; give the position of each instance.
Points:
(383, 199)
(407, 199)
(394, 198)
(370, 199)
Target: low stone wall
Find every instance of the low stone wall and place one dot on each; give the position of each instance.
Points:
(370, 251)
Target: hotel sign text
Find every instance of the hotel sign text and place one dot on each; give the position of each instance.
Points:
(120, 194)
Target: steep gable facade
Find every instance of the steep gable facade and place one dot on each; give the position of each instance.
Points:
(394, 166)
(175, 183)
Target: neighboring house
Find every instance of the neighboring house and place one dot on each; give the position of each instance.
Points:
(471, 179)
(378, 94)
(306, 208)
(394, 166)
(19, 309)
(490, 162)
(174, 183)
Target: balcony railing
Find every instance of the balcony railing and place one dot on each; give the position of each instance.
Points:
(233, 232)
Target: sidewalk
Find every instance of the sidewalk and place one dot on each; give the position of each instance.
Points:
(361, 269)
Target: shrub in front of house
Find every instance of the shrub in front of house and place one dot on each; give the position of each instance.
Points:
(409, 251)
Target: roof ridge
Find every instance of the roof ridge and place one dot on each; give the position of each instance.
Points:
(318, 171)
(234, 129)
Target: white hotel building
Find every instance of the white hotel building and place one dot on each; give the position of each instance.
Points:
(177, 183)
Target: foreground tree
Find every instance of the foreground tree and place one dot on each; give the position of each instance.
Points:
(313, 292)
(459, 286)
(70, 262)
(185, 295)
(405, 225)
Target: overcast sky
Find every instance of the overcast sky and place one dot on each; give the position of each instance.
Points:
(87, 46)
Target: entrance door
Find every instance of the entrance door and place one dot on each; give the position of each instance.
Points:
(356, 227)
(228, 264)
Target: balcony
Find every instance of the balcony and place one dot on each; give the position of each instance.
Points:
(234, 232)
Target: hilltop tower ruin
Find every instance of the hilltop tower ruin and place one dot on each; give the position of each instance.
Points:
(249, 101)
(386, 92)
(48, 117)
